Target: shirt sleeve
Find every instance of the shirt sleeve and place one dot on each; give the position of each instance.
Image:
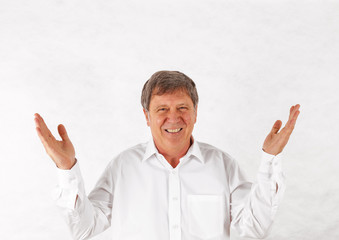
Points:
(89, 215)
(254, 205)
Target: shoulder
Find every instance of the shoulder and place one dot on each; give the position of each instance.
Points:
(209, 151)
(135, 151)
(132, 154)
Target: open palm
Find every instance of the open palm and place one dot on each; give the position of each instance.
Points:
(62, 152)
(276, 141)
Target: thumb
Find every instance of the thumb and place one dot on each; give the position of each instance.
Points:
(63, 133)
(276, 127)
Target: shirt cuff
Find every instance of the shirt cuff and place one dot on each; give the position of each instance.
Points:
(270, 163)
(69, 178)
(69, 187)
(270, 168)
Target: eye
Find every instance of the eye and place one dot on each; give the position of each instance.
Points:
(183, 108)
(161, 109)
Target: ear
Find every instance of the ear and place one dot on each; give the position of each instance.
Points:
(146, 116)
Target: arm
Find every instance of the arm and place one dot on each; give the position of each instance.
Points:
(86, 216)
(61, 152)
(90, 215)
(253, 206)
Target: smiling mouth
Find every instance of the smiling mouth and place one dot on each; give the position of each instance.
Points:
(173, 130)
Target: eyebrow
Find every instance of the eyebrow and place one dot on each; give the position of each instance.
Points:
(164, 105)
(182, 104)
(160, 106)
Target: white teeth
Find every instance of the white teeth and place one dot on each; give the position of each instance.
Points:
(173, 130)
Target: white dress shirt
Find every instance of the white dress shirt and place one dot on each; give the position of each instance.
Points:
(144, 198)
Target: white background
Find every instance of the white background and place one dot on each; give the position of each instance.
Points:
(83, 64)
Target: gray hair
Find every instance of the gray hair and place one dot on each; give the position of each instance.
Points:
(168, 82)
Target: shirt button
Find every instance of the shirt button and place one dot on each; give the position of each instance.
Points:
(174, 198)
(175, 226)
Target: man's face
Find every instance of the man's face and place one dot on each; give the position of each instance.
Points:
(171, 118)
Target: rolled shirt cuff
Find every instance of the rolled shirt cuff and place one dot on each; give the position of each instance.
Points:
(270, 163)
(69, 186)
(69, 178)
(271, 170)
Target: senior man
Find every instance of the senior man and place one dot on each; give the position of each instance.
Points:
(172, 187)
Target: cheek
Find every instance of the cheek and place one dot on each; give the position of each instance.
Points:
(158, 122)
(189, 119)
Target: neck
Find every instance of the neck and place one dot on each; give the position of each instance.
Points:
(173, 155)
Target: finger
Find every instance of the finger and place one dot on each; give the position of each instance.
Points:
(294, 114)
(294, 118)
(289, 126)
(39, 121)
(276, 127)
(36, 121)
(42, 138)
(296, 108)
(38, 124)
(63, 133)
(293, 110)
(38, 130)
(36, 116)
(291, 113)
(46, 138)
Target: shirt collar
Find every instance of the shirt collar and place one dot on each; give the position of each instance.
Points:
(194, 150)
(150, 150)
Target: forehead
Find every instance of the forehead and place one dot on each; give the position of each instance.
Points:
(176, 97)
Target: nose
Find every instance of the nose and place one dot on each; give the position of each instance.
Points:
(173, 116)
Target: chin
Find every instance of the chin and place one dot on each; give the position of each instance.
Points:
(175, 142)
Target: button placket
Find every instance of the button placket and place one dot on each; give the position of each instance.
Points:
(174, 206)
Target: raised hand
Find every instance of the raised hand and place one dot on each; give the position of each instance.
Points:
(61, 152)
(276, 141)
